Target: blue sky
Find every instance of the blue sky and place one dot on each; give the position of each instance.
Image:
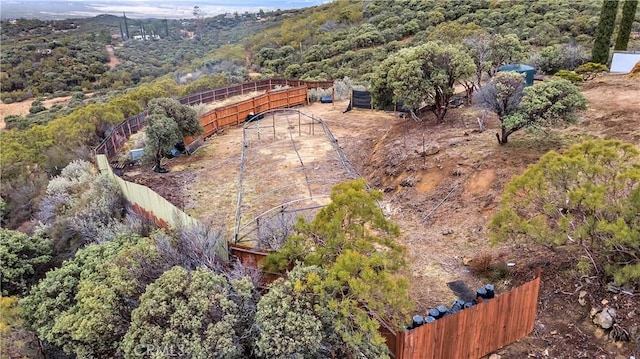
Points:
(171, 9)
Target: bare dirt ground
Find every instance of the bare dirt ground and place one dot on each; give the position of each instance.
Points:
(113, 60)
(441, 184)
(22, 107)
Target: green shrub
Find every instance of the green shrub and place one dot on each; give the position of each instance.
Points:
(569, 75)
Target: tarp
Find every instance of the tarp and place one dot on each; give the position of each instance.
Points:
(528, 71)
(623, 62)
(361, 99)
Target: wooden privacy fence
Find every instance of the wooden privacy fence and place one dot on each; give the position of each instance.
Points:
(237, 113)
(240, 89)
(473, 332)
(122, 132)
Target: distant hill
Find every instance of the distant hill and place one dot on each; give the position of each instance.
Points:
(141, 9)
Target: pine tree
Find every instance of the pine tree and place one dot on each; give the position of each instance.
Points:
(624, 31)
(604, 31)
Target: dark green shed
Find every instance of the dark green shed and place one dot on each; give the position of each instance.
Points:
(528, 71)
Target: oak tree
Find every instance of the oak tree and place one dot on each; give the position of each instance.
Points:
(422, 76)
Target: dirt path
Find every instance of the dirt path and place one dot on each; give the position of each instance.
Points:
(113, 60)
(22, 107)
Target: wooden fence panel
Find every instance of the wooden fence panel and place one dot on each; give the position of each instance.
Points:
(210, 121)
(473, 332)
(261, 103)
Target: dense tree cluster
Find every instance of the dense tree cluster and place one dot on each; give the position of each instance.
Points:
(53, 65)
(131, 295)
(422, 76)
(31, 156)
(330, 49)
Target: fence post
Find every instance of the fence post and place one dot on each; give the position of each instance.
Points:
(113, 145)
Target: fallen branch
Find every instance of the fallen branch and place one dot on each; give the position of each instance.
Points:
(441, 202)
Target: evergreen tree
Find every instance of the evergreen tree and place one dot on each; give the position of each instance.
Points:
(166, 28)
(628, 15)
(126, 26)
(606, 24)
(583, 201)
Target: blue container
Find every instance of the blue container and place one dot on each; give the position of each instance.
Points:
(490, 291)
(481, 292)
(429, 319)
(468, 305)
(434, 313)
(442, 310)
(417, 320)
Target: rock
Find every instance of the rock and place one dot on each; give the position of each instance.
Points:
(429, 151)
(409, 182)
(582, 298)
(604, 302)
(467, 260)
(447, 231)
(554, 332)
(494, 356)
(605, 318)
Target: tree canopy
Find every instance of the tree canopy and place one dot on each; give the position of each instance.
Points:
(552, 101)
(21, 256)
(358, 254)
(606, 24)
(169, 121)
(626, 24)
(422, 75)
(584, 200)
(198, 314)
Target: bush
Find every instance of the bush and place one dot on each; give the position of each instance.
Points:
(37, 106)
(16, 121)
(585, 202)
(21, 256)
(316, 94)
(591, 70)
(81, 206)
(569, 75)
